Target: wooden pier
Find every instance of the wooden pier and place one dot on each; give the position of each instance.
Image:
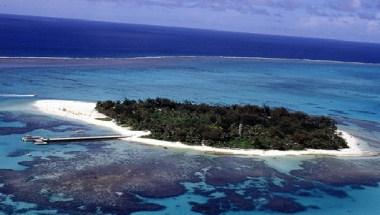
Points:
(42, 140)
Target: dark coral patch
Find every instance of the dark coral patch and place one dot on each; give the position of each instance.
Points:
(357, 187)
(334, 172)
(336, 193)
(19, 153)
(284, 205)
(304, 193)
(34, 122)
(229, 170)
(231, 202)
(210, 208)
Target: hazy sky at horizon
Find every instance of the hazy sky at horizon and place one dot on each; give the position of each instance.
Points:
(354, 20)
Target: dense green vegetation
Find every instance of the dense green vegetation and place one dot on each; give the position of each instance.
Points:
(236, 126)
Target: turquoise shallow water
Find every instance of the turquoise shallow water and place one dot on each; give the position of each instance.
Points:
(342, 89)
(348, 92)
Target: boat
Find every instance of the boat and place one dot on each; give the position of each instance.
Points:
(30, 138)
(40, 142)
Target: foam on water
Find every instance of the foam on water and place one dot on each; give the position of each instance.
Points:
(17, 95)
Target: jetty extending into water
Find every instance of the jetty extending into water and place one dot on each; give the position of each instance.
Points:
(39, 140)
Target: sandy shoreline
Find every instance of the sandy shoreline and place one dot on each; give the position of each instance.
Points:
(85, 112)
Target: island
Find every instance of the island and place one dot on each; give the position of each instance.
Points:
(225, 126)
(84, 112)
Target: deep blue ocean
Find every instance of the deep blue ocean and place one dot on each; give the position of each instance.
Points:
(118, 177)
(48, 37)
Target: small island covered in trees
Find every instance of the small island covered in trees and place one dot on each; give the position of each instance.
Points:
(233, 126)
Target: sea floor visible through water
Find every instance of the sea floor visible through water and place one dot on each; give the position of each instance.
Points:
(120, 177)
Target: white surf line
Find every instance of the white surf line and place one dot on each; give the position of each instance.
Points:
(17, 95)
(85, 112)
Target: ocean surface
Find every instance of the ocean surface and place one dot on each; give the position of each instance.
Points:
(48, 37)
(87, 61)
(119, 177)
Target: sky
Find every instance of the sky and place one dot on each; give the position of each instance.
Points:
(351, 20)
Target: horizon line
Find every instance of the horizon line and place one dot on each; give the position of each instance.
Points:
(190, 28)
(189, 56)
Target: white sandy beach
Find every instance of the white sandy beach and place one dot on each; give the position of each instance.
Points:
(85, 112)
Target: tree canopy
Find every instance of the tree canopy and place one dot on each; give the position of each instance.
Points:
(233, 126)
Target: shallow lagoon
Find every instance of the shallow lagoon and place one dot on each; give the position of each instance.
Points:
(136, 177)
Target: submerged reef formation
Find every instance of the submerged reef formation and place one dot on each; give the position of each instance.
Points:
(135, 179)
